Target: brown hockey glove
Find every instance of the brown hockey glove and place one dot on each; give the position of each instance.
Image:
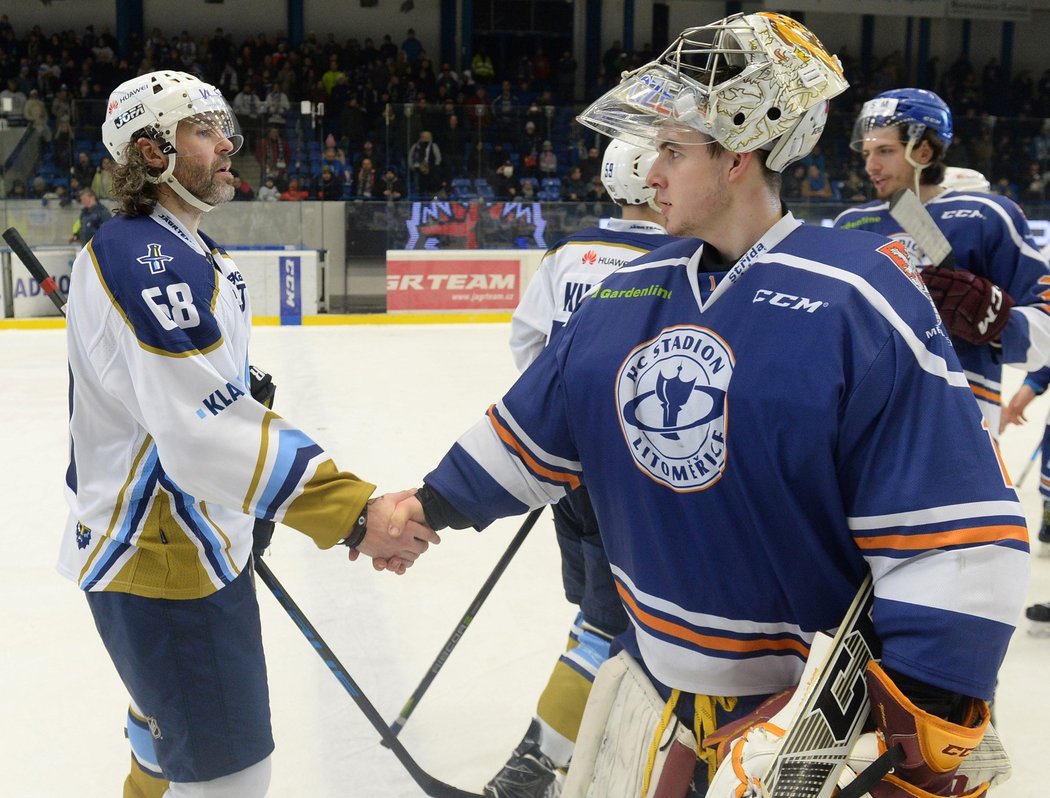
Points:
(933, 748)
(971, 307)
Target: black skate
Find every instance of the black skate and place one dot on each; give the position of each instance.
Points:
(529, 773)
(1043, 550)
(1038, 616)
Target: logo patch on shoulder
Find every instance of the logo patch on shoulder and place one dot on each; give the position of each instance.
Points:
(154, 258)
(671, 395)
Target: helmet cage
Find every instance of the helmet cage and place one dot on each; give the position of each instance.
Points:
(745, 81)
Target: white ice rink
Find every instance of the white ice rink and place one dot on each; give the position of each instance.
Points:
(387, 401)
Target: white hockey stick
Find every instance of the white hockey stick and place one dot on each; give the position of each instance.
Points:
(916, 221)
(813, 752)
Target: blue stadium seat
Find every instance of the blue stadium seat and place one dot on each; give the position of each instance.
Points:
(462, 189)
(481, 185)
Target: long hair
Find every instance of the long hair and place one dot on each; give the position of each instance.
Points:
(131, 187)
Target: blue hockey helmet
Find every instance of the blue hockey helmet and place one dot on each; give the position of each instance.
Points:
(917, 110)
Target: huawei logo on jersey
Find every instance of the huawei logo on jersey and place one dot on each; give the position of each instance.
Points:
(590, 257)
(671, 394)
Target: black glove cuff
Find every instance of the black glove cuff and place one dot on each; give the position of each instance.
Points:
(357, 533)
(439, 512)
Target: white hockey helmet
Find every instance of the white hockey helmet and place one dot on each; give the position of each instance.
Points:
(958, 178)
(152, 105)
(749, 81)
(624, 169)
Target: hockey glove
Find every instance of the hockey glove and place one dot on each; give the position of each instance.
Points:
(263, 391)
(972, 308)
(934, 749)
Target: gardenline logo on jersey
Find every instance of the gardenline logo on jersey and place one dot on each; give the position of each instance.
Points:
(671, 392)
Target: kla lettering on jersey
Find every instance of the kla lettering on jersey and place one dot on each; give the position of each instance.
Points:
(218, 401)
(573, 295)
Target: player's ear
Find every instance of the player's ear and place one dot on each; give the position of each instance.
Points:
(923, 153)
(151, 152)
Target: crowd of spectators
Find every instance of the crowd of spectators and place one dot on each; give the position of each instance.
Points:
(386, 122)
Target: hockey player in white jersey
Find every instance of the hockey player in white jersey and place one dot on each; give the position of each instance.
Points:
(569, 270)
(760, 418)
(994, 302)
(172, 459)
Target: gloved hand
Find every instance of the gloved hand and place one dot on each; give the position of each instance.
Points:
(971, 307)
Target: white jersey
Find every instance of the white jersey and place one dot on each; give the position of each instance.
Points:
(170, 457)
(570, 269)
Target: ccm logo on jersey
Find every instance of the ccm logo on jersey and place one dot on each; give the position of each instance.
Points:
(789, 301)
(963, 213)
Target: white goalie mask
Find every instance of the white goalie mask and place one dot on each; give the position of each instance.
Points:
(152, 105)
(749, 81)
(624, 169)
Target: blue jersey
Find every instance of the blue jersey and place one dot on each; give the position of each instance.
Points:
(754, 441)
(990, 237)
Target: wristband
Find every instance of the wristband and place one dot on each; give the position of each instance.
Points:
(357, 533)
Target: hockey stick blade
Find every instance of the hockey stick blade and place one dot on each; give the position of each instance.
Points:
(813, 751)
(916, 221)
(36, 268)
(430, 785)
(465, 621)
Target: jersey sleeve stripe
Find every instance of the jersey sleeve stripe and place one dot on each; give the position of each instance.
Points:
(952, 512)
(928, 362)
(211, 544)
(294, 452)
(568, 479)
(955, 538)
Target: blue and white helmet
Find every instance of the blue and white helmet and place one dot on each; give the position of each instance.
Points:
(916, 110)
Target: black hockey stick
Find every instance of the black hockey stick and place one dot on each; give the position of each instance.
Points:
(36, 268)
(464, 622)
(430, 785)
(912, 215)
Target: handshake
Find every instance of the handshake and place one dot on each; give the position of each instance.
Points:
(395, 533)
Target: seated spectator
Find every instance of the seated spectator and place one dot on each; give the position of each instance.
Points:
(248, 108)
(268, 191)
(330, 187)
(393, 186)
(92, 215)
(855, 188)
(816, 185)
(505, 185)
(276, 106)
(528, 190)
(791, 182)
(83, 169)
(590, 164)
(62, 146)
(243, 190)
(293, 193)
(36, 115)
(102, 182)
(18, 98)
(365, 181)
(573, 187)
(548, 162)
(596, 190)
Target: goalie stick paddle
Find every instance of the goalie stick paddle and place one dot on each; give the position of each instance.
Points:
(430, 785)
(465, 621)
(916, 221)
(35, 267)
(813, 751)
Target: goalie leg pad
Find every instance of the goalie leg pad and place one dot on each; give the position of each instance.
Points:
(620, 724)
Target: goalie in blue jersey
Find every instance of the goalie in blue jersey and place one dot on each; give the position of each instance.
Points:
(756, 437)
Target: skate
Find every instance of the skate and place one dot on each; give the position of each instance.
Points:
(529, 773)
(1038, 616)
(1043, 548)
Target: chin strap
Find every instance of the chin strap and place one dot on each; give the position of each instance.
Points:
(918, 167)
(168, 178)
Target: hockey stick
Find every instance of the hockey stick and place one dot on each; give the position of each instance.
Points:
(36, 268)
(464, 622)
(813, 751)
(1028, 466)
(916, 221)
(430, 785)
